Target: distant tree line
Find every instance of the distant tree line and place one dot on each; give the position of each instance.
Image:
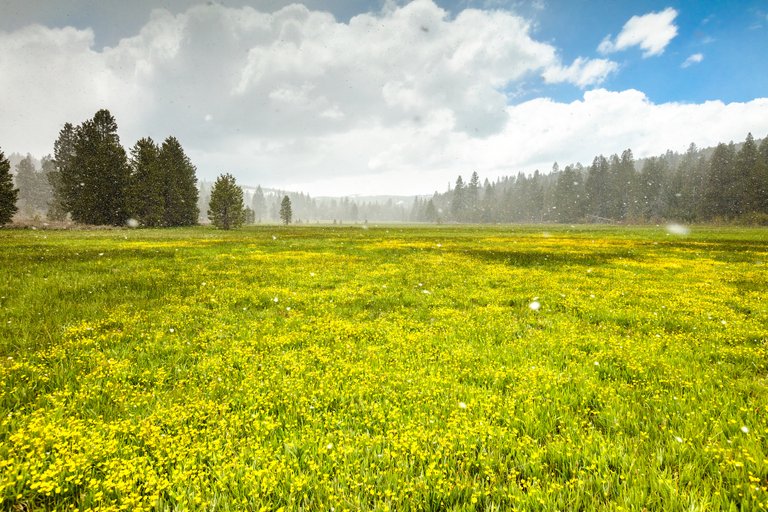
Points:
(728, 183)
(93, 180)
(265, 206)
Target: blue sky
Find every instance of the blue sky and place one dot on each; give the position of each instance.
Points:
(731, 36)
(384, 96)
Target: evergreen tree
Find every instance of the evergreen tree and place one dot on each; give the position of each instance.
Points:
(30, 197)
(63, 179)
(430, 212)
(569, 196)
(473, 198)
(762, 173)
(226, 210)
(47, 166)
(721, 196)
(488, 203)
(748, 176)
(101, 165)
(145, 192)
(259, 204)
(621, 195)
(650, 192)
(597, 188)
(8, 194)
(180, 185)
(684, 188)
(459, 201)
(286, 211)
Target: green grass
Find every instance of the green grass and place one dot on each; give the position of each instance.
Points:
(390, 368)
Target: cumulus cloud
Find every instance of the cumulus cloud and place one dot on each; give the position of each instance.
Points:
(581, 72)
(400, 100)
(651, 32)
(290, 73)
(693, 59)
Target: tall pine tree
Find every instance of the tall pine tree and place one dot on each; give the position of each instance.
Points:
(101, 166)
(62, 178)
(762, 173)
(598, 189)
(8, 193)
(459, 201)
(748, 177)
(721, 196)
(180, 185)
(146, 200)
(259, 204)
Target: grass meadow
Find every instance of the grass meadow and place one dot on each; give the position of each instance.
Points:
(390, 368)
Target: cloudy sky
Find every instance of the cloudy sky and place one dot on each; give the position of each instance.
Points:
(339, 97)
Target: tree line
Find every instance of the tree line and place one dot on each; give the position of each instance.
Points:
(728, 183)
(93, 180)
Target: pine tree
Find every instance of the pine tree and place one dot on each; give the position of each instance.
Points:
(684, 188)
(259, 204)
(721, 196)
(569, 194)
(226, 210)
(459, 201)
(650, 192)
(597, 188)
(179, 185)
(286, 211)
(146, 200)
(62, 179)
(430, 212)
(45, 191)
(8, 194)
(101, 165)
(27, 183)
(762, 174)
(748, 176)
(473, 198)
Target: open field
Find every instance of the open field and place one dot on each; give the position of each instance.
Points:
(385, 368)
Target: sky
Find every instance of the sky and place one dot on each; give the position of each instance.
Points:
(345, 97)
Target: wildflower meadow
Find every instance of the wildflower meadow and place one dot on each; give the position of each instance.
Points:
(384, 368)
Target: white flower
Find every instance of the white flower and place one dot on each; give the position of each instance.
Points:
(462, 405)
(678, 439)
(535, 305)
(275, 300)
(745, 429)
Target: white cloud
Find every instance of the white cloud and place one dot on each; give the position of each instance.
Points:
(693, 59)
(652, 32)
(397, 101)
(290, 73)
(581, 72)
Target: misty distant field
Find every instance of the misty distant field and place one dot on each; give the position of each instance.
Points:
(392, 368)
